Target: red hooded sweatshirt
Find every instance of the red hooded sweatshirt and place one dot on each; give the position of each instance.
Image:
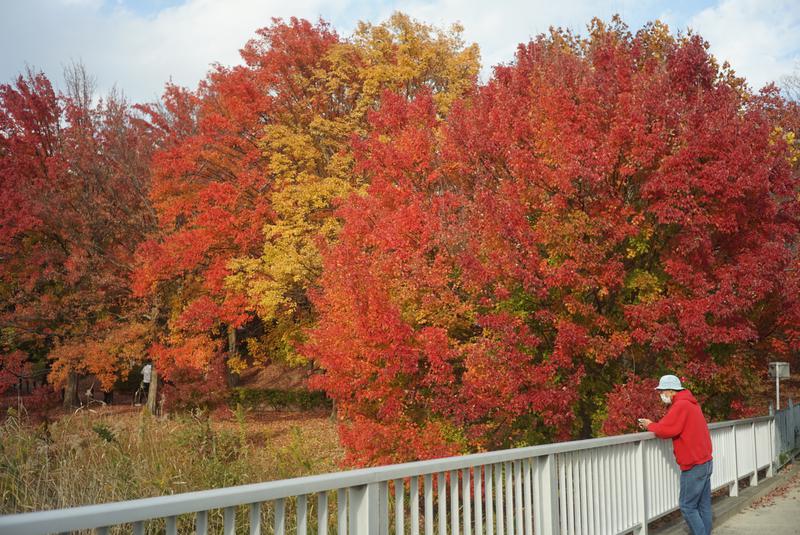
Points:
(685, 424)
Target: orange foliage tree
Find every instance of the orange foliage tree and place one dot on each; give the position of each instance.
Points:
(247, 171)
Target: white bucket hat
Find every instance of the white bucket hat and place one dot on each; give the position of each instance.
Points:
(669, 382)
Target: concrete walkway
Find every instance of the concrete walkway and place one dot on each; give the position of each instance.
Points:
(777, 513)
(771, 508)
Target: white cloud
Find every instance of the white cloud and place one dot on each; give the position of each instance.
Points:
(139, 53)
(499, 27)
(758, 37)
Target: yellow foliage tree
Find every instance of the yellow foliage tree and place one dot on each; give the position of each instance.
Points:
(311, 162)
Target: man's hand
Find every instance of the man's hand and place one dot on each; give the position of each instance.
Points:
(644, 422)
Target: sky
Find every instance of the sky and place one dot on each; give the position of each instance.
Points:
(139, 45)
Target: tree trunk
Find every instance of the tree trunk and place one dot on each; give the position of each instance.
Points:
(231, 378)
(152, 393)
(71, 391)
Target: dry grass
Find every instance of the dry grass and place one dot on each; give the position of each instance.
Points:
(112, 455)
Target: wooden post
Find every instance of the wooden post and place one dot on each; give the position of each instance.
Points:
(71, 391)
(152, 393)
(231, 378)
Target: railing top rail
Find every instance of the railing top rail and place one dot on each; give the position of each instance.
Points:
(108, 514)
(743, 421)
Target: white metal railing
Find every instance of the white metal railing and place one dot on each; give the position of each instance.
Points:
(600, 486)
(787, 428)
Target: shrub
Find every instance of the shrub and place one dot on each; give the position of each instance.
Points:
(279, 399)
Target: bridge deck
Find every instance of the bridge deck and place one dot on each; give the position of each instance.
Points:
(777, 513)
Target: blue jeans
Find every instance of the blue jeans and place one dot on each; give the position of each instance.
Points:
(695, 498)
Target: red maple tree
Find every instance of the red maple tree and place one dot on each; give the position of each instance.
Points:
(74, 181)
(604, 209)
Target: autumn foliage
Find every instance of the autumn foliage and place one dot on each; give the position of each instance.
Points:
(602, 205)
(246, 173)
(460, 265)
(74, 178)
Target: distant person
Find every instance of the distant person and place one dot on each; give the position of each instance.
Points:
(147, 373)
(685, 424)
(89, 394)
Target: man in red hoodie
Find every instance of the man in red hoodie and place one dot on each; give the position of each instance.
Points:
(685, 424)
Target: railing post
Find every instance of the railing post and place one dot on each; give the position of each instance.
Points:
(279, 522)
(641, 484)
(441, 490)
(466, 500)
(341, 511)
(477, 483)
(528, 497)
(383, 508)
(794, 424)
(363, 502)
(228, 521)
(545, 507)
(771, 434)
(428, 489)
(322, 514)
(733, 490)
(754, 475)
(255, 518)
(302, 515)
(488, 493)
(454, 527)
(399, 505)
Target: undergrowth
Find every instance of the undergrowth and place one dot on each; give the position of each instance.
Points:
(96, 458)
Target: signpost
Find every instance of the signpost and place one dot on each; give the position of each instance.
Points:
(778, 370)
